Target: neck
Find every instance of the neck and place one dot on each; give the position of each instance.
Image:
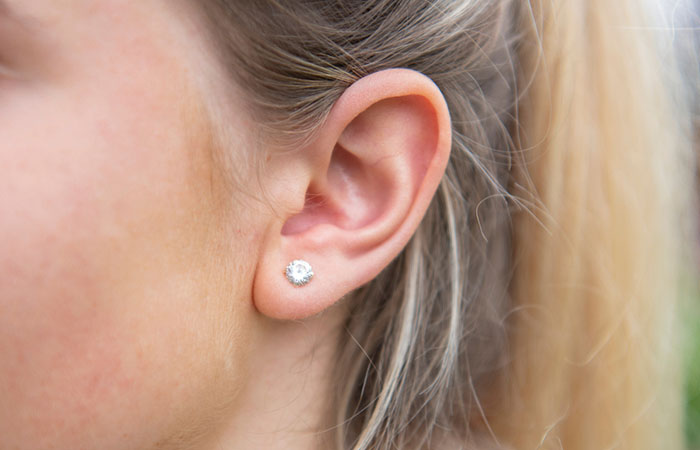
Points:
(284, 404)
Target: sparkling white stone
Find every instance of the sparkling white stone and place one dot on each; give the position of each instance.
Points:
(299, 272)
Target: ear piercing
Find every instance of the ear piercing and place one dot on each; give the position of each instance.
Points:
(299, 272)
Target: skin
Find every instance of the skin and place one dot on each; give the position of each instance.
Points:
(141, 299)
(107, 234)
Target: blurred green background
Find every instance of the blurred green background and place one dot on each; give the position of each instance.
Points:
(692, 373)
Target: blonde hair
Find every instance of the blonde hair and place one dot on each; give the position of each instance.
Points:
(535, 305)
(594, 349)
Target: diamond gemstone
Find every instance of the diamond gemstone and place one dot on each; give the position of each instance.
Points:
(299, 272)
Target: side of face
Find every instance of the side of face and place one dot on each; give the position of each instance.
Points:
(141, 296)
(114, 333)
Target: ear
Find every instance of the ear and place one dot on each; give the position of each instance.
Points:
(355, 194)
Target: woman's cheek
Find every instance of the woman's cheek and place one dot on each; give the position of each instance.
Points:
(106, 322)
(122, 305)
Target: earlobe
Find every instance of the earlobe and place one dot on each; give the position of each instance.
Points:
(368, 178)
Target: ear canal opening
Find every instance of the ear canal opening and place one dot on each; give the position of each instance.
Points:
(314, 212)
(353, 194)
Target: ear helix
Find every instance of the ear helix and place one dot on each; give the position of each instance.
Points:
(299, 272)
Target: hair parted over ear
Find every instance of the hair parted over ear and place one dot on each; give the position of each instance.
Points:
(357, 191)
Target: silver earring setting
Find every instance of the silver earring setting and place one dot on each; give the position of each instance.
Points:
(299, 272)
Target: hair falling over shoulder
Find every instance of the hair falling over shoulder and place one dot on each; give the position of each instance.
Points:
(607, 155)
(535, 307)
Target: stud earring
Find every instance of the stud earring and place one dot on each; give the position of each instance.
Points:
(299, 272)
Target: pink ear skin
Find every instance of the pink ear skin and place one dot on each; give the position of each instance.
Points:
(357, 192)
